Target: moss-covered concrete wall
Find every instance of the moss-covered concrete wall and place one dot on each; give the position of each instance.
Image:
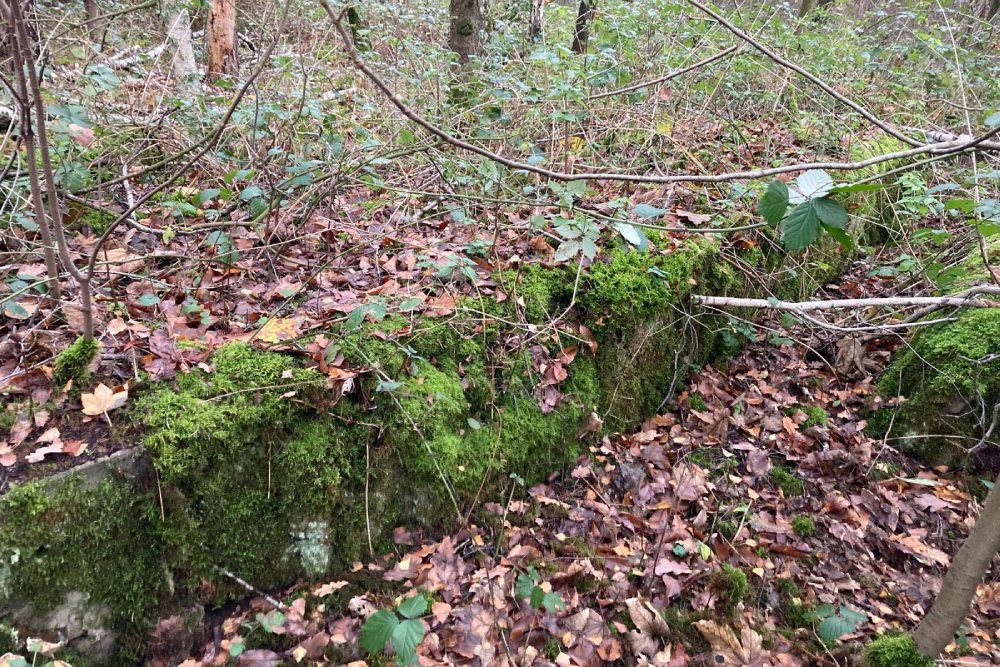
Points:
(262, 468)
(948, 377)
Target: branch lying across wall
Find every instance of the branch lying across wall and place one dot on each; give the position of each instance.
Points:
(939, 148)
(966, 299)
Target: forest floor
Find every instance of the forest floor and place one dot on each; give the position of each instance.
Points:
(728, 530)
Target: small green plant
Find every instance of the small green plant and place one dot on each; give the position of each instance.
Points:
(895, 651)
(697, 402)
(384, 629)
(813, 212)
(804, 526)
(835, 622)
(732, 585)
(791, 485)
(529, 586)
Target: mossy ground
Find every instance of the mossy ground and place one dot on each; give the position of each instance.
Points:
(73, 363)
(895, 651)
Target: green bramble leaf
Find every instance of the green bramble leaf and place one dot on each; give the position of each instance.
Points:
(648, 211)
(774, 203)
(413, 607)
(801, 228)
(406, 637)
(814, 183)
(553, 602)
(377, 630)
(830, 213)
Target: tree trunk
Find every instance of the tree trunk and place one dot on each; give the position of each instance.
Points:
(179, 34)
(990, 10)
(806, 6)
(581, 32)
(535, 21)
(960, 582)
(467, 28)
(93, 11)
(221, 41)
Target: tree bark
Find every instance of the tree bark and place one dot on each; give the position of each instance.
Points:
(221, 42)
(990, 10)
(467, 28)
(179, 34)
(806, 6)
(581, 32)
(535, 21)
(93, 11)
(960, 582)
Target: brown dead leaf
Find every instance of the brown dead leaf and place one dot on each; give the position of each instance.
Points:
(104, 400)
(278, 329)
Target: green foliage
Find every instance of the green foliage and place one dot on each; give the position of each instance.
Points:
(815, 416)
(529, 586)
(697, 402)
(895, 651)
(791, 485)
(73, 363)
(835, 622)
(804, 526)
(384, 629)
(813, 210)
(732, 585)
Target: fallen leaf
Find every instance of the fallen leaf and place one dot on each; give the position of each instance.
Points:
(103, 400)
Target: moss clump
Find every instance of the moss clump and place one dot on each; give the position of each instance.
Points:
(947, 374)
(791, 485)
(815, 416)
(895, 651)
(804, 526)
(696, 402)
(73, 363)
(732, 585)
(9, 640)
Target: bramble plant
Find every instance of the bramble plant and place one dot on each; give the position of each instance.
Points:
(813, 210)
(385, 628)
(529, 586)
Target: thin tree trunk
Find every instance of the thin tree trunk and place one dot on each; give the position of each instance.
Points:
(806, 6)
(466, 28)
(960, 582)
(535, 21)
(991, 9)
(221, 40)
(581, 32)
(179, 34)
(93, 11)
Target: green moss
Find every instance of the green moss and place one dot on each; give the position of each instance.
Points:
(895, 651)
(73, 363)
(10, 642)
(946, 374)
(732, 585)
(7, 418)
(815, 416)
(696, 402)
(542, 292)
(804, 526)
(105, 547)
(791, 485)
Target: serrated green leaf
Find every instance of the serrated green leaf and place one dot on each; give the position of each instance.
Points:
(822, 611)
(258, 207)
(406, 637)
(800, 229)
(567, 250)
(834, 627)
(830, 213)
(252, 192)
(647, 211)
(553, 602)
(840, 236)
(536, 598)
(774, 202)
(855, 617)
(814, 183)
(632, 235)
(413, 606)
(207, 196)
(524, 586)
(377, 630)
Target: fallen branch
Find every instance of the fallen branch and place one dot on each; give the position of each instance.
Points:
(946, 147)
(277, 604)
(967, 299)
(673, 75)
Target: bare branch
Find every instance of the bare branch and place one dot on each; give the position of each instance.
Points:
(673, 75)
(966, 299)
